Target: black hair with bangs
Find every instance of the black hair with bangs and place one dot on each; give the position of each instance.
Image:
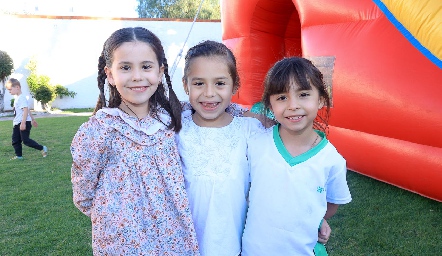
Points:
(302, 72)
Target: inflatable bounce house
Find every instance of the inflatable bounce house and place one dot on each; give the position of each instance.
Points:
(382, 59)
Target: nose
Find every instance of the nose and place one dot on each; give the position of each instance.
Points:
(293, 103)
(209, 91)
(136, 75)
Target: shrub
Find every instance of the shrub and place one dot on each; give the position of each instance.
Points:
(33, 83)
(45, 94)
(41, 88)
(62, 91)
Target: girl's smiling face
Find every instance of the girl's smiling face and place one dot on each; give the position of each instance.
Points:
(210, 88)
(135, 73)
(296, 109)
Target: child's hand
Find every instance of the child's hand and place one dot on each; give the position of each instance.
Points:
(324, 232)
(22, 126)
(34, 123)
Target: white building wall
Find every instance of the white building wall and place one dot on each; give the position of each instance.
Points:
(67, 50)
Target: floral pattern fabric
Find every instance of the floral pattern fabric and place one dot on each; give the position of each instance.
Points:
(127, 178)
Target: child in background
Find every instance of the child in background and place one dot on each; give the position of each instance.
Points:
(213, 149)
(297, 176)
(22, 122)
(126, 171)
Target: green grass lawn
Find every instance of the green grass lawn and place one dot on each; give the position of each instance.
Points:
(37, 216)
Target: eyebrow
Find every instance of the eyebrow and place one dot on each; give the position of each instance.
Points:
(143, 62)
(216, 78)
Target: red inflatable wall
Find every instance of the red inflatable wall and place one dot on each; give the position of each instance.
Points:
(386, 118)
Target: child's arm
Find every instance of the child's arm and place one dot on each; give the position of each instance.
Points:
(324, 232)
(89, 154)
(34, 123)
(23, 119)
(265, 121)
(331, 210)
(258, 111)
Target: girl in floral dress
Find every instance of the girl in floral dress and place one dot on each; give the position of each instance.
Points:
(126, 171)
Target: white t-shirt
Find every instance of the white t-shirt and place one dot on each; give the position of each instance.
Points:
(288, 195)
(216, 176)
(20, 102)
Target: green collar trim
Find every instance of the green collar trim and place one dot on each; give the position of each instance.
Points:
(292, 161)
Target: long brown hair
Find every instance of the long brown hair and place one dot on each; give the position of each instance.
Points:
(159, 99)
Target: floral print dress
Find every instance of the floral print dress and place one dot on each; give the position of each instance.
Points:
(127, 178)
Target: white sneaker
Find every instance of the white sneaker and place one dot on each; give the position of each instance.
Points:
(44, 151)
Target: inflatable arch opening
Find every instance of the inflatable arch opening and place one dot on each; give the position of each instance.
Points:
(385, 76)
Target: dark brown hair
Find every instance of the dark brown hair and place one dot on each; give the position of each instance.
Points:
(209, 49)
(302, 72)
(159, 99)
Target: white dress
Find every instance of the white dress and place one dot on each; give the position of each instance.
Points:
(216, 176)
(288, 196)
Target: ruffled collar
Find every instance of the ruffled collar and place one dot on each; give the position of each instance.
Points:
(119, 120)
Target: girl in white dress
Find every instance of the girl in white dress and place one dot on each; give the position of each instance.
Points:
(297, 176)
(213, 148)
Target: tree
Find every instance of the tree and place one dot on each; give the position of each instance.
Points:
(178, 9)
(41, 88)
(6, 68)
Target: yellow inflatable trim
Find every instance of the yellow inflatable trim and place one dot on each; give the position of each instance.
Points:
(423, 19)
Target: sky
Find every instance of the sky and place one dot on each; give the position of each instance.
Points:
(96, 8)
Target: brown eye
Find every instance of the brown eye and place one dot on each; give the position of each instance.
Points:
(304, 94)
(125, 67)
(282, 97)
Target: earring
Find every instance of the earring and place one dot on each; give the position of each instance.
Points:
(187, 92)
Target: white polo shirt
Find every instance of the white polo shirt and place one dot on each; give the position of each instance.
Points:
(288, 195)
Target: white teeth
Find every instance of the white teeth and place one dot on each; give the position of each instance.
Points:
(294, 117)
(210, 104)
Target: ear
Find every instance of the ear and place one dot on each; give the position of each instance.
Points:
(321, 102)
(185, 86)
(110, 78)
(160, 74)
(235, 89)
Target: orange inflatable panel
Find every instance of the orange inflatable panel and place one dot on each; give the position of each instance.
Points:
(386, 82)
